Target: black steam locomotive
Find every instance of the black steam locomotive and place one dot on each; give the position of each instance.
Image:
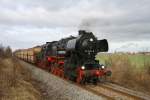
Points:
(74, 57)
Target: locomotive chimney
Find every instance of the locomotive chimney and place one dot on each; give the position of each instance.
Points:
(48, 42)
(81, 32)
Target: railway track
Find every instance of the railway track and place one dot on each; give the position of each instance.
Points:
(115, 92)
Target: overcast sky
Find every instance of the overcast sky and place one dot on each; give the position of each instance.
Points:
(27, 23)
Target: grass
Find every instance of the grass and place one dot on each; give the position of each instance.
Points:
(132, 71)
(15, 81)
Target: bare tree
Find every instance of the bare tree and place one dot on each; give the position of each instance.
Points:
(2, 50)
(8, 52)
(5, 52)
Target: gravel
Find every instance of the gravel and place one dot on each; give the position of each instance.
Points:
(59, 89)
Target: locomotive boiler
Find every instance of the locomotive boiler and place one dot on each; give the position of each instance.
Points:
(74, 58)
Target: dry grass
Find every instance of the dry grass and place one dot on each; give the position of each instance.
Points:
(129, 75)
(15, 82)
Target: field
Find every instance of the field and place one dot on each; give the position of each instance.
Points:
(138, 60)
(128, 70)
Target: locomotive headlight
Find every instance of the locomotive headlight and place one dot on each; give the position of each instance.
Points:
(91, 39)
(103, 67)
(83, 67)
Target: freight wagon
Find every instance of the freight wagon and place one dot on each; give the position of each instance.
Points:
(28, 55)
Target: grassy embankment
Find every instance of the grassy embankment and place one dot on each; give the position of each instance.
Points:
(15, 81)
(132, 71)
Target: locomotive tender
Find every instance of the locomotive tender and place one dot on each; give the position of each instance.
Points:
(72, 58)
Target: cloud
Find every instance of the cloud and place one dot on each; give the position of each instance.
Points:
(25, 37)
(48, 20)
(128, 46)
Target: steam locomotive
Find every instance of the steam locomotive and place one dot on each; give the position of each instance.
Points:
(72, 58)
